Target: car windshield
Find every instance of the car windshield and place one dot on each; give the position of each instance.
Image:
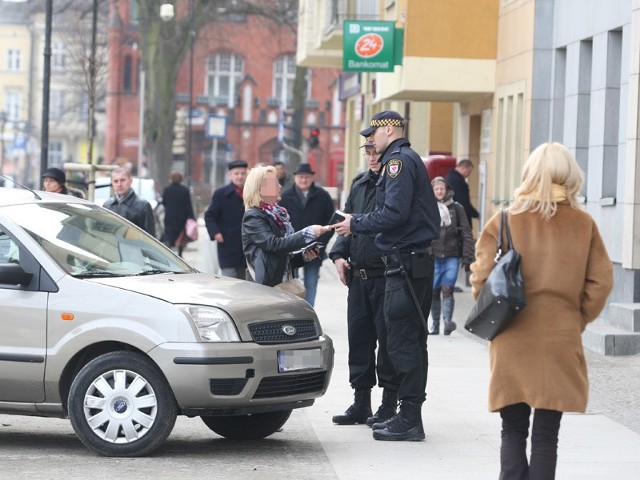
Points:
(90, 241)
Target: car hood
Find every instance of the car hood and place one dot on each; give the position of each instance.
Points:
(241, 299)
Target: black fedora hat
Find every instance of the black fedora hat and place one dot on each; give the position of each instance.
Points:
(304, 168)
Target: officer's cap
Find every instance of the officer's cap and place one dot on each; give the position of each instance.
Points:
(381, 119)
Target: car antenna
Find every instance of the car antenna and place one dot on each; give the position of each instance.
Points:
(21, 185)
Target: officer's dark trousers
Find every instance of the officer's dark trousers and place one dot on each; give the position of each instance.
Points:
(406, 334)
(366, 327)
(544, 443)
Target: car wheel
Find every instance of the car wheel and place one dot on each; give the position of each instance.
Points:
(120, 405)
(247, 427)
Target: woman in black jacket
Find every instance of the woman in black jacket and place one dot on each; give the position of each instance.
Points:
(455, 245)
(268, 238)
(177, 209)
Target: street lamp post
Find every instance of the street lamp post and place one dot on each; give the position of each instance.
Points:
(46, 80)
(3, 122)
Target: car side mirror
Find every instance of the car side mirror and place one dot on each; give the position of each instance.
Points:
(13, 274)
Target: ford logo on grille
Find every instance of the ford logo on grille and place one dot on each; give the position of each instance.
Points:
(289, 330)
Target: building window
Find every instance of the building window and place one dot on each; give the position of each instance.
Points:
(13, 106)
(128, 74)
(284, 74)
(58, 56)
(133, 14)
(55, 154)
(14, 60)
(559, 81)
(224, 73)
(585, 66)
(56, 106)
(611, 119)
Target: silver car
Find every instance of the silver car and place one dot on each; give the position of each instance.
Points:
(104, 325)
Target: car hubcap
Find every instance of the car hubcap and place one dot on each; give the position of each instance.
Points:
(120, 406)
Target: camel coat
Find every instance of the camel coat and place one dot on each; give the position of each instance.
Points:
(538, 359)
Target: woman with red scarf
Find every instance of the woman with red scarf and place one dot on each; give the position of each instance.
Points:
(268, 239)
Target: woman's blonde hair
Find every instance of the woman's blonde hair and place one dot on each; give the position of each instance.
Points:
(251, 189)
(550, 163)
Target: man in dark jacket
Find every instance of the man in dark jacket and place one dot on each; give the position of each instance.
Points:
(177, 209)
(308, 204)
(223, 219)
(360, 267)
(127, 204)
(405, 222)
(457, 180)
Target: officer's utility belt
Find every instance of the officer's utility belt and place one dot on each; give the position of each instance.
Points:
(366, 273)
(418, 262)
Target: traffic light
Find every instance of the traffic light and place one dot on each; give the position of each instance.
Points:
(313, 138)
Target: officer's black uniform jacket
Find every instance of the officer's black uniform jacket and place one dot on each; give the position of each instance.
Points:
(135, 209)
(406, 212)
(360, 248)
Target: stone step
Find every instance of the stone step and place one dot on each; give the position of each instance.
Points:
(610, 340)
(625, 316)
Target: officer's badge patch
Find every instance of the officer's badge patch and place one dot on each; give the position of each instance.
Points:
(394, 167)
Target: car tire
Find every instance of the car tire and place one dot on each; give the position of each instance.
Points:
(247, 427)
(121, 405)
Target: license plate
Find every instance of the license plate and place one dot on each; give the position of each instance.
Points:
(292, 360)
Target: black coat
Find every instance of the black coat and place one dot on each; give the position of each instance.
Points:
(224, 215)
(267, 248)
(177, 209)
(135, 209)
(460, 189)
(360, 249)
(317, 210)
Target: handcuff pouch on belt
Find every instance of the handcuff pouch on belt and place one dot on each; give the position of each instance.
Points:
(416, 262)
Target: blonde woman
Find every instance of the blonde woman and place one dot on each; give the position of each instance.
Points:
(267, 235)
(538, 362)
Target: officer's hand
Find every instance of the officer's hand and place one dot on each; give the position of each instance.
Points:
(219, 238)
(343, 228)
(342, 266)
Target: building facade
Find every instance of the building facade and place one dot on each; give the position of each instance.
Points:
(508, 75)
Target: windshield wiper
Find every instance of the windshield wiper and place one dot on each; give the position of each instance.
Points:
(153, 271)
(97, 274)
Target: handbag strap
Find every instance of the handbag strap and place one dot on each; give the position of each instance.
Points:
(504, 225)
(506, 222)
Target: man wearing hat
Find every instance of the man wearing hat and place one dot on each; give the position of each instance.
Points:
(405, 222)
(308, 204)
(54, 180)
(223, 219)
(360, 267)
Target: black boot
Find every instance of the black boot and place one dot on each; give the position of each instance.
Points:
(387, 409)
(435, 316)
(447, 315)
(406, 425)
(359, 412)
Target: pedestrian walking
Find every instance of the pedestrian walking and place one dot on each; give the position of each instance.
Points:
(127, 204)
(268, 237)
(177, 209)
(309, 204)
(284, 179)
(454, 245)
(457, 180)
(406, 220)
(223, 220)
(538, 361)
(360, 267)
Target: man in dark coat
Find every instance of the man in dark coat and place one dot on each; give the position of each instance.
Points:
(308, 204)
(129, 205)
(177, 209)
(223, 219)
(457, 180)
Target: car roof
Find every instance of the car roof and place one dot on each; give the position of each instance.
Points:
(16, 196)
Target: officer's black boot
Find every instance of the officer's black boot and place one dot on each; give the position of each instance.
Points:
(406, 425)
(447, 315)
(388, 408)
(359, 412)
(435, 317)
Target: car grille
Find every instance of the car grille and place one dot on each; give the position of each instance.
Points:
(227, 386)
(273, 332)
(285, 385)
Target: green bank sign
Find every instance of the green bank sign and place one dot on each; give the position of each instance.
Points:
(371, 46)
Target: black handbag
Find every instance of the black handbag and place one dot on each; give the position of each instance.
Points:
(502, 296)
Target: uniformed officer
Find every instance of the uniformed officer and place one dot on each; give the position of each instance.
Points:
(405, 221)
(360, 267)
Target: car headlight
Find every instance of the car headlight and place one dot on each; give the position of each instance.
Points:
(213, 324)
